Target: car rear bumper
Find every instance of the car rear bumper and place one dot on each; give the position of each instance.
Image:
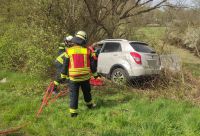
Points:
(144, 72)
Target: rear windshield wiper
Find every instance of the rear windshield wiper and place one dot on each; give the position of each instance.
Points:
(152, 52)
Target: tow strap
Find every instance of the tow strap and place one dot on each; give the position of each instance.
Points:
(47, 97)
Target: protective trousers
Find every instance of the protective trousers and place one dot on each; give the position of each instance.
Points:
(74, 94)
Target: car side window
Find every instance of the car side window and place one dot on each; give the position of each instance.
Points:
(112, 47)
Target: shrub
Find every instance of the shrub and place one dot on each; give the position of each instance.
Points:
(189, 38)
(27, 49)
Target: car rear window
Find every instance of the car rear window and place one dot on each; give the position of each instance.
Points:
(142, 47)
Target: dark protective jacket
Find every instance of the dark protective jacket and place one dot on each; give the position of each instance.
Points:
(61, 48)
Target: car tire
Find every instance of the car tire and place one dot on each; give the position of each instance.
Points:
(119, 76)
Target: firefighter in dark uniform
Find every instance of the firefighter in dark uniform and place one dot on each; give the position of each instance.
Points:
(92, 50)
(59, 61)
(78, 65)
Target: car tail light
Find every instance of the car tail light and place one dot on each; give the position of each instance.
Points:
(136, 57)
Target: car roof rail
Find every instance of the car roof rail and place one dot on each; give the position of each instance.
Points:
(138, 42)
(115, 40)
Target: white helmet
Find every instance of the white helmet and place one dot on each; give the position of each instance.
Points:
(82, 35)
(68, 38)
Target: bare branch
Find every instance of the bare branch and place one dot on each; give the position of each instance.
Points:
(138, 1)
(146, 2)
(128, 22)
(100, 3)
(122, 34)
(134, 6)
(90, 11)
(108, 11)
(121, 8)
(145, 10)
(107, 3)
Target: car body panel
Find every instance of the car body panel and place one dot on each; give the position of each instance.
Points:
(106, 60)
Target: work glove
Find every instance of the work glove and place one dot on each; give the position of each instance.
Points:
(96, 75)
(63, 78)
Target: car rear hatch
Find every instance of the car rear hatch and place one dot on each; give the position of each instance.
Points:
(149, 58)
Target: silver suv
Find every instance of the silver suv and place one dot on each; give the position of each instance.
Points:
(121, 60)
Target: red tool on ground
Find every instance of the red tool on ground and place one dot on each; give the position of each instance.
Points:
(48, 97)
(96, 82)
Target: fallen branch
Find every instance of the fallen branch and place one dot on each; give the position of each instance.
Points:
(12, 130)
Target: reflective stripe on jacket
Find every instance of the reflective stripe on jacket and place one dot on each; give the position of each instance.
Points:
(79, 63)
(61, 48)
(60, 58)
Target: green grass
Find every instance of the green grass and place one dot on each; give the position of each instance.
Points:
(189, 61)
(194, 68)
(150, 33)
(119, 112)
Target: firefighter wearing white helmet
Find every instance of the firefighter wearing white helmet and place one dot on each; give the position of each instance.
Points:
(59, 60)
(78, 64)
(67, 40)
(80, 38)
(67, 43)
(82, 35)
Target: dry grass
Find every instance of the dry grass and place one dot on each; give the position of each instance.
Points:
(178, 86)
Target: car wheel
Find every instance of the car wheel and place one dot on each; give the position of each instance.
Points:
(119, 76)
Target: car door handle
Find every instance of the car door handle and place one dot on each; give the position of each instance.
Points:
(115, 55)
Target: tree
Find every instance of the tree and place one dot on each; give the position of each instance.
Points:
(110, 15)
